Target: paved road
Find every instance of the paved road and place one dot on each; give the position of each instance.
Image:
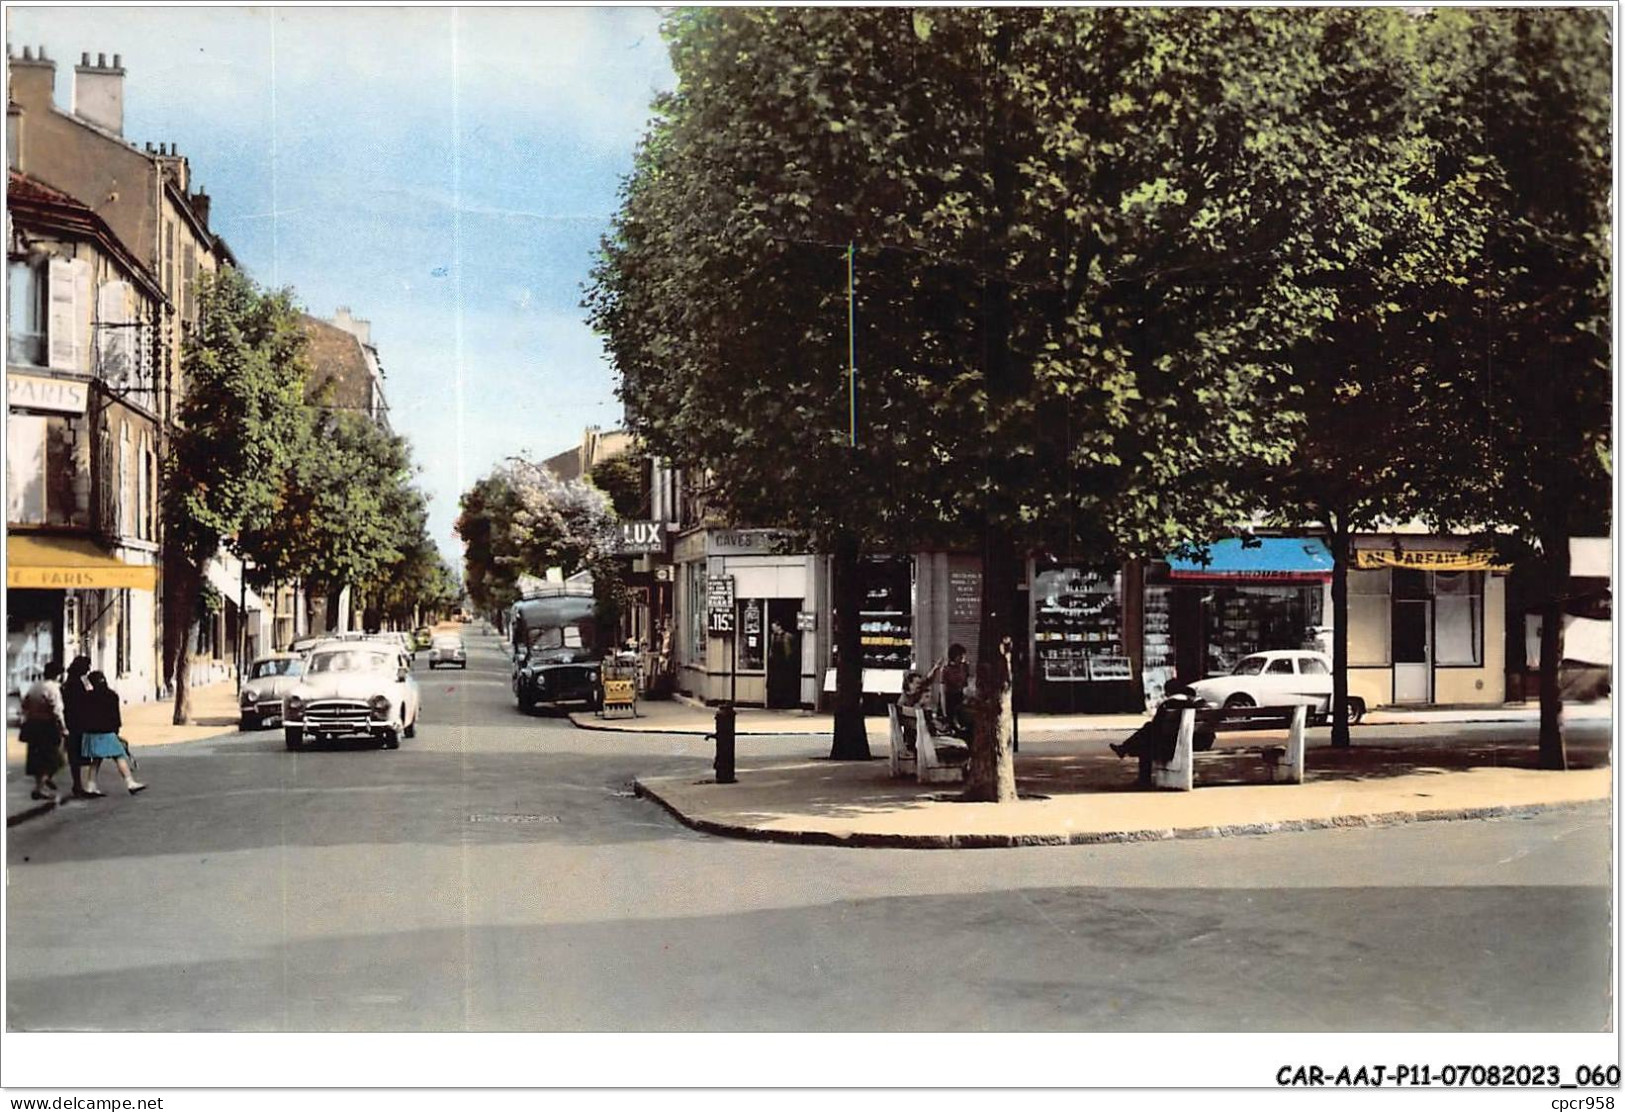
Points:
(495, 874)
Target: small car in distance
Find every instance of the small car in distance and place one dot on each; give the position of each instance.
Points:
(350, 689)
(269, 679)
(422, 637)
(447, 649)
(1279, 677)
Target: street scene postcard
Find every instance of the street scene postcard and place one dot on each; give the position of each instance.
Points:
(923, 548)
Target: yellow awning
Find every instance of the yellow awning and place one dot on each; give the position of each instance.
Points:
(71, 563)
(1423, 559)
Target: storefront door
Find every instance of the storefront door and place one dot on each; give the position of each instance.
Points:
(1413, 650)
(783, 653)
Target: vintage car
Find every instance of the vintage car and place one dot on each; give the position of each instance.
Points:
(269, 679)
(350, 689)
(1280, 677)
(447, 649)
(422, 637)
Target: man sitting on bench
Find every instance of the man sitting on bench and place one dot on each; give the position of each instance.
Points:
(1156, 738)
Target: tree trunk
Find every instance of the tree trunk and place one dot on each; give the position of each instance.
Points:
(1340, 631)
(991, 777)
(1555, 583)
(183, 597)
(851, 741)
(333, 604)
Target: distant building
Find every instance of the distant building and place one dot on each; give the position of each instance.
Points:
(345, 370)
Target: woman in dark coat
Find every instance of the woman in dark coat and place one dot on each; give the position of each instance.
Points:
(102, 721)
(42, 731)
(74, 690)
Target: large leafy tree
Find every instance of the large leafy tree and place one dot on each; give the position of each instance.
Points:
(1533, 343)
(245, 375)
(1383, 179)
(1075, 236)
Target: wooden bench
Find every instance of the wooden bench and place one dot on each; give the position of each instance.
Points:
(924, 760)
(1285, 763)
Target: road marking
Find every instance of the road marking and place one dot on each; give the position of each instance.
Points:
(513, 818)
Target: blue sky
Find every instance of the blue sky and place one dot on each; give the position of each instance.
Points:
(444, 172)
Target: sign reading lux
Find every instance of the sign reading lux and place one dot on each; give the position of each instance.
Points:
(638, 537)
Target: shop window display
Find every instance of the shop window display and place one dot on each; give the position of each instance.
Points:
(1242, 620)
(886, 622)
(1078, 642)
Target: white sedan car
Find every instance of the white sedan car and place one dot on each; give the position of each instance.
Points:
(1282, 677)
(447, 649)
(352, 688)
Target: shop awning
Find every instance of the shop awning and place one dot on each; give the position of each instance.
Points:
(1265, 560)
(230, 585)
(35, 562)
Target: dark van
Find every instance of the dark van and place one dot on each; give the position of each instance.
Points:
(556, 652)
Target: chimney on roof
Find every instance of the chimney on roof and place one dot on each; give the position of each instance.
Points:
(360, 329)
(200, 206)
(98, 92)
(32, 79)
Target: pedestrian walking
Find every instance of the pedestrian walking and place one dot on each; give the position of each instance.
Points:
(102, 721)
(43, 731)
(74, 691)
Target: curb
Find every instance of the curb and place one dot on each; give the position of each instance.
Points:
(1105, 837)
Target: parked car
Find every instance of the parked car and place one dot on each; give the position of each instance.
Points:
(1279, 677)
(422, 637)
(269, 679)
(352, 689)
(447, 648)
(302, 646)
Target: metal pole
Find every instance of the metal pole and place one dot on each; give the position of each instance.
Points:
(733, 665)
(242, 618)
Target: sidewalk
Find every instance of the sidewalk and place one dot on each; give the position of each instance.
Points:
(682, 716)
(214, 712)
(1074, 791)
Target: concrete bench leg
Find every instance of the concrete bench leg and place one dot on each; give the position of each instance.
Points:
(1177, 773)
(1290, 768)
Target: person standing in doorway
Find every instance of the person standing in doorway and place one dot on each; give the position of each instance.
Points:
(102, 721)
(43, 730)
(74, 691)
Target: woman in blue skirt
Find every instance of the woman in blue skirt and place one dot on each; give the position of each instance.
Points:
(102, 722)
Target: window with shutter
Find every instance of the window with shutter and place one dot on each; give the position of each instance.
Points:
(115, 338)
(126, 476)
(61, 314)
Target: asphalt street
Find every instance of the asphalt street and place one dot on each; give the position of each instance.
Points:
(496, 874)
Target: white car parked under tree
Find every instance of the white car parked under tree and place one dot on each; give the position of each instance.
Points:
(1281, 677)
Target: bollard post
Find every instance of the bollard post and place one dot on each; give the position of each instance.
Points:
(724, 764)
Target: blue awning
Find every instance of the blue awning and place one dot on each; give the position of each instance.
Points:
(1263, 560)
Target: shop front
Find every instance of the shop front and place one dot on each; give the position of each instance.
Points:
(66, 595)
(1247, 596)
(745, 615)
(1419, 609)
